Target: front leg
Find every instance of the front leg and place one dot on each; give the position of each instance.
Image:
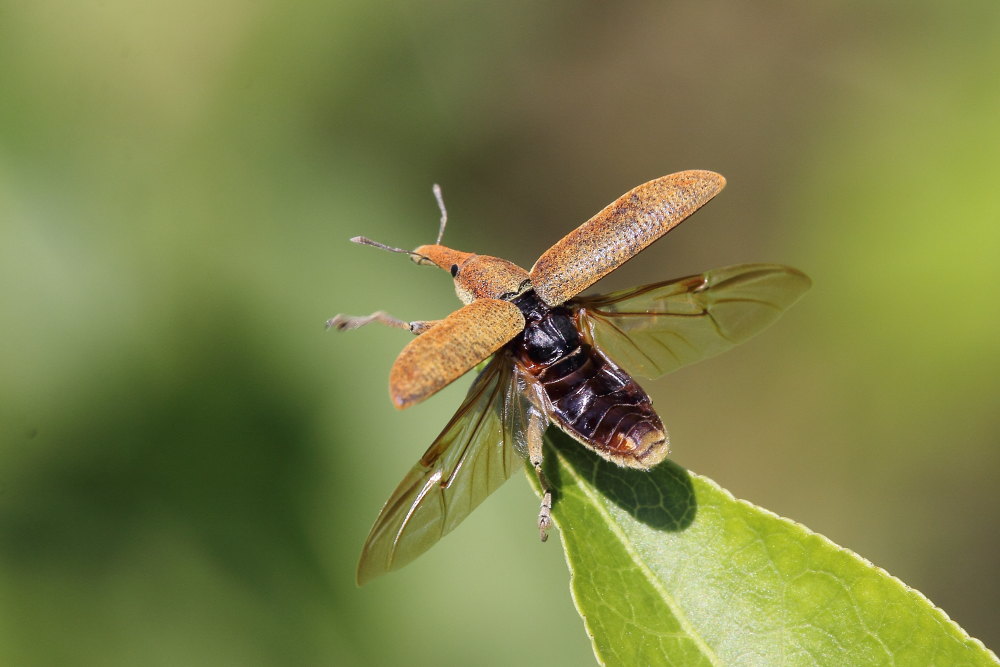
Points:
(347, 322)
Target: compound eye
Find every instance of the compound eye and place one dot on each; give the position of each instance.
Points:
(454, 270)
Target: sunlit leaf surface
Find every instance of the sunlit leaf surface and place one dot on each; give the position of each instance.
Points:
(669, 569)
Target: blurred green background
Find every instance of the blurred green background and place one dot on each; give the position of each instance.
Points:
(190, 464)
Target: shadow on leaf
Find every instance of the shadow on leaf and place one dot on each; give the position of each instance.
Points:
(662, 498)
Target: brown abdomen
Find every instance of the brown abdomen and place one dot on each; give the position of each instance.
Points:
(591, 398)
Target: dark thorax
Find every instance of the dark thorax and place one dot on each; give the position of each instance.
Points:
(590, 397)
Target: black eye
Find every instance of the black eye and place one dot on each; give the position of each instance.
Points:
(454, 270)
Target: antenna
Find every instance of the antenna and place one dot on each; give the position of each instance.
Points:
(444, 212)
(361, 240)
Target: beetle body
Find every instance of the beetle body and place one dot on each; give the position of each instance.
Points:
(585, 393)
(556, 357)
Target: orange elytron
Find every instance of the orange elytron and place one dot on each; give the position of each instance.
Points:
(558, 358)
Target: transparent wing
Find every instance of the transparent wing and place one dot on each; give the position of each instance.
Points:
(656, 329)
(477, 451)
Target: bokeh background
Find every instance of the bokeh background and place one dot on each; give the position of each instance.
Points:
(189, 464)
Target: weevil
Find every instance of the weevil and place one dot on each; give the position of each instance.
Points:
(556, 357)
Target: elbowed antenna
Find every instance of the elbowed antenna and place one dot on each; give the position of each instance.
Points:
(444, 212)
(363, 240)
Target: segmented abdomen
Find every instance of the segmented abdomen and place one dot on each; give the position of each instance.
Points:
(590, 397)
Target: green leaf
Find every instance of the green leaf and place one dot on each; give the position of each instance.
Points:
(667, 568)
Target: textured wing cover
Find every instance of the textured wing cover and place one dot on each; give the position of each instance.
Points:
(620, 232)
(452, 347)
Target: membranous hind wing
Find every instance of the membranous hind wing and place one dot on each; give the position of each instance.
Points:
(479, 449)
(655, 329)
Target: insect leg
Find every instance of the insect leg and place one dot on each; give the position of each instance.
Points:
(536, 431)
(347, 322)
